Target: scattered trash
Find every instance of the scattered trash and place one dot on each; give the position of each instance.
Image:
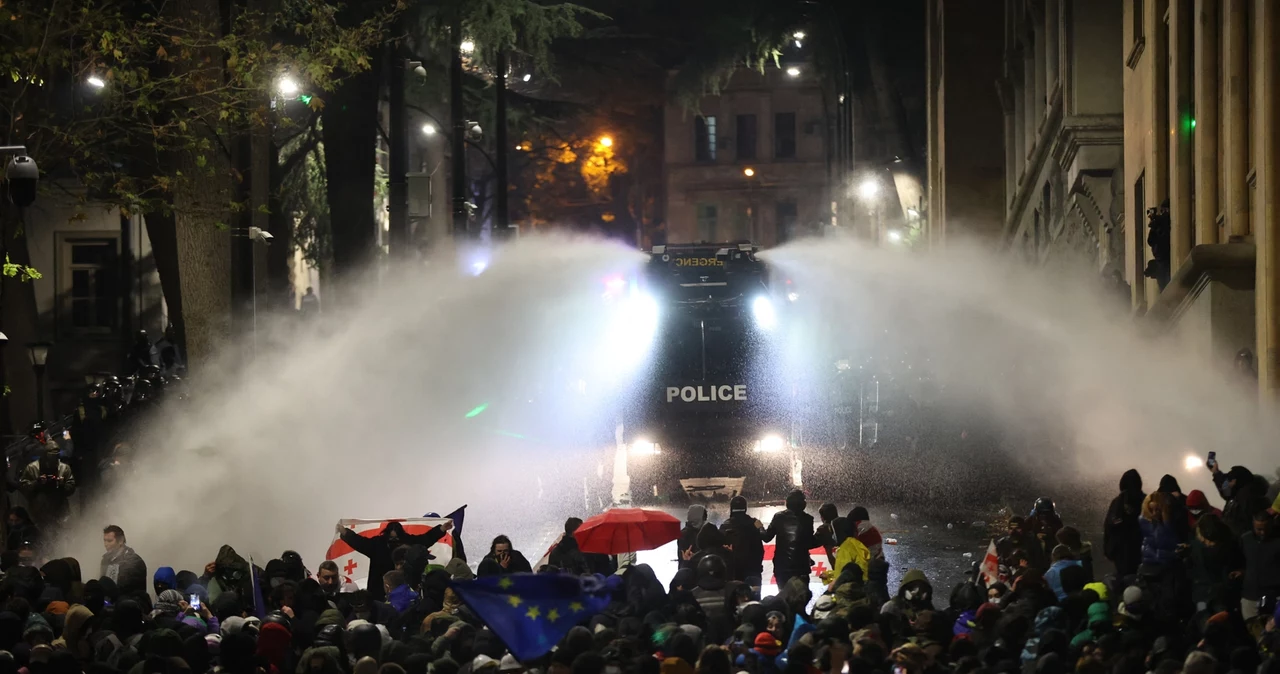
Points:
(968, 555)
(890, 541)
(950, 525)
(978, 524)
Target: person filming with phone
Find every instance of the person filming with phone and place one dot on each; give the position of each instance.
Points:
(503, 559)
(48, 484)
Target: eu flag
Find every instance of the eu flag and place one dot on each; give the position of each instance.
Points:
(530, 612)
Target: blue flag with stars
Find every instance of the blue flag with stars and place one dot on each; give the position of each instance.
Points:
(530, 612)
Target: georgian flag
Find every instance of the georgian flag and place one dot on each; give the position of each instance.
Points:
(354, 566)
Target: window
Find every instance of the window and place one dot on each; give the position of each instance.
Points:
(88, 286)
(704, 138)
(707, 216)
(746, 130)
(785, 215)
(784, 135)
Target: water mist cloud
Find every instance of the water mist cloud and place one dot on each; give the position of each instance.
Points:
(364, 413)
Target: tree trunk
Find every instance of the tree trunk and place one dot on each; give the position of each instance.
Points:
(202, 205)
(350, 132)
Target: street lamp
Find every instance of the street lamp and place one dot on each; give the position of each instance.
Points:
(869, 189)
(428, 129)
(467, 46)
(606, 141)
(96, 82)
(288, 87)
(895, 236)
(749, 172)
(793, 71)
(38, 352)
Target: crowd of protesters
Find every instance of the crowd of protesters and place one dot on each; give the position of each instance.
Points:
(54, 463)
(1193, 591)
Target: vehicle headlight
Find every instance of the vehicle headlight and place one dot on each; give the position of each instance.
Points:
(770, 443)
(766, 315)
(644, 448)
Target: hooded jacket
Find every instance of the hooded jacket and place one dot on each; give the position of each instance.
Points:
(73, 636)
(1261, 566)
(127, 569)
(747, 557)
(1121, 533)
(848, 548)
(1243, 500)
(793, 529)
(1198, 506)
(1096, 624)
(915, 594)
(489, 566)
(232, 574)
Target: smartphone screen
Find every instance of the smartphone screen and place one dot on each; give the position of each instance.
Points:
(195, 602)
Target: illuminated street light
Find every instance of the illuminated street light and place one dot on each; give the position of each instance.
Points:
(748, 172)
(96, 82)
(606, 141)
(799, 35)
(288, 87)
(526, 77)
(467, 46)
(428, 129)
(894, 235)
(869, 189)
(793, 71)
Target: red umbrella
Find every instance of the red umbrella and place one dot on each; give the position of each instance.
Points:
(627, 530)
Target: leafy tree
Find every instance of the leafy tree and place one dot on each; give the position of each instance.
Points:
(182, 84)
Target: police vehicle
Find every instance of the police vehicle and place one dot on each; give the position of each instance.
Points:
(710, 417)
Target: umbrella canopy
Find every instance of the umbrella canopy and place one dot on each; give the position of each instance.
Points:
(627, 530)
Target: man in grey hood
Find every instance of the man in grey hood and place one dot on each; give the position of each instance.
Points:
(688, 544)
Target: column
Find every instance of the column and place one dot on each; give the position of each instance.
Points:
(1206, 117)
(1157, 70)
(1181, 171)
(1051, 45)
(1235, 156)
(1267, 230)
(1029, 108)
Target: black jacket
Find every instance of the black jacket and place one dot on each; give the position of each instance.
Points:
(127, 569)
(688, 539)
(569, 558)
(489, 566)
(1121, 535)
(1243, 501)
(378, 550)
(794, 531)
(747, 557)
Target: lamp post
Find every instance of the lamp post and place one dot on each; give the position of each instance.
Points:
(38, 352)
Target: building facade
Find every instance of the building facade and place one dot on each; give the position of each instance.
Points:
(99, 285)
(750, 163)
(1201, 130)
(1061, 93)
(965, 167)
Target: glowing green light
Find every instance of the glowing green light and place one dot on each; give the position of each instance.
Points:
(475, 412)
(1193, 123)
(306, 99)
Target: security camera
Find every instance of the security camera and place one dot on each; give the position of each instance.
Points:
(260, 234)
(22, 174)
